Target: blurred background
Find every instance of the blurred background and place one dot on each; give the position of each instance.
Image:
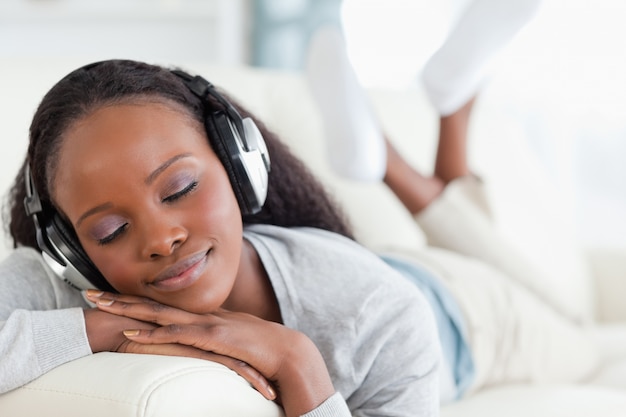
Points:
(565, 73)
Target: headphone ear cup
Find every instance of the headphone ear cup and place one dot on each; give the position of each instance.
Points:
(256, 160)
(218, 143)
(65, 241)
(237, 142)
(255, 141)
(247, 169)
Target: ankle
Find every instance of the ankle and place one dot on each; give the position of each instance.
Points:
(461, 117)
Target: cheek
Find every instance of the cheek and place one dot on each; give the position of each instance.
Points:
(219, 209)
(219, 219)
(118, 270)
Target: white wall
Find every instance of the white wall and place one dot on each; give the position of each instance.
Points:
(163, 31)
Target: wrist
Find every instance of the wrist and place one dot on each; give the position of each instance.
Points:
(99, 337)
(104, 330)
(303, 378)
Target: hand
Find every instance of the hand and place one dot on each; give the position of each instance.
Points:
(106, 333)
(105, 330)
(281, 355)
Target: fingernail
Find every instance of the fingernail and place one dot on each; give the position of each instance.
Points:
(131, 333)
(271, 392)
(94, 293)
(105, 302)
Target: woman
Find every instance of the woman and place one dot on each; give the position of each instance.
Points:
(139, 171)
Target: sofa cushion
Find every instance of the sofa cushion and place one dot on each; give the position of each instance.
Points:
(98, 386)
(541, 400)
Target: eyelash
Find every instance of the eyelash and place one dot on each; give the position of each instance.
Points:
(182, 193)
(110, 238)
(169, 199)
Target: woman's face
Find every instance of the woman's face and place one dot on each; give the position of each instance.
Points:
(152, 204)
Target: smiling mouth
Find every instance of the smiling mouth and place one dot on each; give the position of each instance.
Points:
(182, 274)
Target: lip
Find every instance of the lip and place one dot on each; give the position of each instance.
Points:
(182, 274)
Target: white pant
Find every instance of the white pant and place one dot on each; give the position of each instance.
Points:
(515, 332)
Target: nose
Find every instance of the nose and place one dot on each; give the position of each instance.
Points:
(162, 238)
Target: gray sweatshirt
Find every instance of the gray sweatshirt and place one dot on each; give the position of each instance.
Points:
(374, 330)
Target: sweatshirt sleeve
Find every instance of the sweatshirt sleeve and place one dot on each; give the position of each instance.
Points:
(34, 342)
(41, 320)
(334, 406)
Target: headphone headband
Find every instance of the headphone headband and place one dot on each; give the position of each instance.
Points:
(202, 88)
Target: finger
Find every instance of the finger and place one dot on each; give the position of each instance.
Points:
(205, 338)
(247, 372)
(144, 309)
(174, 333)
(96, 295)
(243, 369)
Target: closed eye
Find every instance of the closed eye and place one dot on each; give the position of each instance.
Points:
(110, 238)
(169, 199)
(182, 193)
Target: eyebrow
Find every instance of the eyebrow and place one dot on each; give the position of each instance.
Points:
(149, 180)
(92, 211)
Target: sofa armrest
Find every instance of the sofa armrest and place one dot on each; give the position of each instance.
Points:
(608, 268)
(120, 384)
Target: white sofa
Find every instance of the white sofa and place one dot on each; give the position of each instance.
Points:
(594, 282)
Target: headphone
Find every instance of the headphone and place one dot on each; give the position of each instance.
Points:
(237, 142)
